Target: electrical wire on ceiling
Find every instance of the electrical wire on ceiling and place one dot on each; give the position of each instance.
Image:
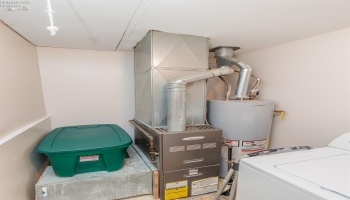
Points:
(52, 28)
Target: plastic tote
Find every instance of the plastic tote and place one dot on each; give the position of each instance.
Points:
(86, 148)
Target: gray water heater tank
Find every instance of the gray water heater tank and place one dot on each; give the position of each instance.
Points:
(246, 125)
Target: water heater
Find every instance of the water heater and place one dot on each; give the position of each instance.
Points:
(246, 125)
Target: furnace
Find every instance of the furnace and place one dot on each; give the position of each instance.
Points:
(187, 158)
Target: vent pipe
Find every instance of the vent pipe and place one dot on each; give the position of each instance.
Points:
(224, 58)
(177, 95)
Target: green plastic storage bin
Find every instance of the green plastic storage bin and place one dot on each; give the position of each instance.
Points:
(86, 148)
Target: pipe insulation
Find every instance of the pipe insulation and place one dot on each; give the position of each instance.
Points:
(176, 95)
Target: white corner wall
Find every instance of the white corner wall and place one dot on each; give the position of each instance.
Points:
(21, 165)
(23, 119)
(349, 71)
(21, 97)
(310, 80)
(88, 87)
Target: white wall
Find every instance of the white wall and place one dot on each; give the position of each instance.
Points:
(21, 97)
(88, 87)
(21, 165)
(23, 119)
(310, 80)
(349, 70)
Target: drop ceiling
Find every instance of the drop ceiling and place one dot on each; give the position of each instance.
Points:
(119, 24)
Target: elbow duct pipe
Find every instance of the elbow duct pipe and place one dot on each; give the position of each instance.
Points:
(176, 95)
(224, 58)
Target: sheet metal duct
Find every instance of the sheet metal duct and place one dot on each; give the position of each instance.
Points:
(177, 96)
(160, 57)
(224, 58)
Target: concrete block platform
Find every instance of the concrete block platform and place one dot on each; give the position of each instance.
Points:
(134, 179)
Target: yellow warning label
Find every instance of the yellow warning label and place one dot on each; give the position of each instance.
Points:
(176, 190)
(175, 193)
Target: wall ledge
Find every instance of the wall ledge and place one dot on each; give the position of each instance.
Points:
(21, 130)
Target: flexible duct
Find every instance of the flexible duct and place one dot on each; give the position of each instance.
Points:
(224, 58)
(177, 95)
(254, 92)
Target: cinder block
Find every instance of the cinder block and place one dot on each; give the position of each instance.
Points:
(134, 179)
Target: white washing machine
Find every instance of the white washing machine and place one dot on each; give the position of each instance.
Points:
(322, 173)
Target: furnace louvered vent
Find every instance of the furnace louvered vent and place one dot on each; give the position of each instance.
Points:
(189, 128)
(199, 127)
(161, 129)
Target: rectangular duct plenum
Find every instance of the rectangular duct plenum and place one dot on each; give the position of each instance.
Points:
(160, 57)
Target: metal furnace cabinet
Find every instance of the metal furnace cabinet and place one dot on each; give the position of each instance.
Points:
(188, 162)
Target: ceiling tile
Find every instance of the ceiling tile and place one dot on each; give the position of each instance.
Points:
(83, 24)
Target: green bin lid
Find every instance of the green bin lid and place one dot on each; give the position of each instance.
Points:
(84, 137)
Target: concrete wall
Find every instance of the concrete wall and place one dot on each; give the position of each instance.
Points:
(23, 118)
(309, 79)
(88, 87)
